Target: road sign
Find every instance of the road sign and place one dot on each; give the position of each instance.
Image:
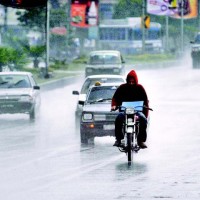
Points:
(147, 21)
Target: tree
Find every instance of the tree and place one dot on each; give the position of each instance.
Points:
(10, 56)
(127, 8)
(35, 19)
(35, 52)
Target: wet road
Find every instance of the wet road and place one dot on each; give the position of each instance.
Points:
(43, 159)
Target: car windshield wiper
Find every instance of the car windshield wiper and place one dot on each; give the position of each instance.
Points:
(100, 100)
(3, 82)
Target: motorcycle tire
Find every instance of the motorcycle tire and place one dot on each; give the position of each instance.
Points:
(129, 148)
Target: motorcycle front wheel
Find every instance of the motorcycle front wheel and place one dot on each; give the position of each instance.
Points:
(129, 148)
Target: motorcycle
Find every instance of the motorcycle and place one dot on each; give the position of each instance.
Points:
(131, 111)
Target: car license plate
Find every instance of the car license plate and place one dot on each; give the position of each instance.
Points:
(109, 127)
(7, 106)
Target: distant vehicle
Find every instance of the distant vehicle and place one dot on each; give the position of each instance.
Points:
(91, 80)
(19, 93)
(195, 51)
(126, 35)
(105, 62)
(97, 120)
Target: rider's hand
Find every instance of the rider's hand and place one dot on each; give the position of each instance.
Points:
(113, 108)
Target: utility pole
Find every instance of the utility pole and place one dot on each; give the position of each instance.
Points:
(199, 15)
(167, 34)
(68, 23)
(182, 26)
(143, 28)
(5, 18)
(47, 40)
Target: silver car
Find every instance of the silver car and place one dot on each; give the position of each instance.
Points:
(19, 93)
(105, 62)
(88, 82)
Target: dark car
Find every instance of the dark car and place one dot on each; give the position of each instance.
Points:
(19, 93)
(105, 62)
(97, 120)
(195, 51)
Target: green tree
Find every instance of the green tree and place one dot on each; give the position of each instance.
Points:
(3, 57)
(10, 56)
(35, 19)
(35, 52)
(127, 8)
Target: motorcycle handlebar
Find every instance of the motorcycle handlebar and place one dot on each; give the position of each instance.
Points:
(118, 107)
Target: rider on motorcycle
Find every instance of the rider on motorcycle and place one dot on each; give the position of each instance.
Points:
(130, 91)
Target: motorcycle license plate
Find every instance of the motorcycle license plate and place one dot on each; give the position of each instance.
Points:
(109, 127)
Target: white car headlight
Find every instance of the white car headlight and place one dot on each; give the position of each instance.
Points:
(116, 70)
(196, 49)
(87, 117)
(26, 98)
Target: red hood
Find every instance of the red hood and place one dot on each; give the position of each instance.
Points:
(132, 74)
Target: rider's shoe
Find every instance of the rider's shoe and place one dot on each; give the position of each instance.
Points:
(142, 145)
(117, 143)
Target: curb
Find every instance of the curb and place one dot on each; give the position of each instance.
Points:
(58, 83)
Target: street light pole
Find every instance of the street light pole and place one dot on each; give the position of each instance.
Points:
(182, 26)
(68, 23)
(47, 40)
(5, 18)
(143, 28)
(198, 16)
(167, 34)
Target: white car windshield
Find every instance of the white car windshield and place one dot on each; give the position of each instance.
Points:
(98, 94)
(91, 82)
(14, 81)
(105, 59)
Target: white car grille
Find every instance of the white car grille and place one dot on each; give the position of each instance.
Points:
(104, 117)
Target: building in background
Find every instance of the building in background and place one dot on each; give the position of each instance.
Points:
(106, 9)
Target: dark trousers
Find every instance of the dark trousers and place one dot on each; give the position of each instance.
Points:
(119, 124)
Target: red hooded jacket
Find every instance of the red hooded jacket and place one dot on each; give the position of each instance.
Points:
(127, 92)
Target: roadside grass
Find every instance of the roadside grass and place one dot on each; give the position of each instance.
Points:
(149, 58)
(55, 74)
(77, 66)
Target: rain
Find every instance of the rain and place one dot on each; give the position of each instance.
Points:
(44, 159)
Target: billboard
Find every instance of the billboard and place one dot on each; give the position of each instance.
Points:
(190, 9)
(84, 13)
(160, 7)
(164, 7)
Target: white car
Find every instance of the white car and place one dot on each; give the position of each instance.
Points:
(19, 93)
(91, 80)
(105, 62)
